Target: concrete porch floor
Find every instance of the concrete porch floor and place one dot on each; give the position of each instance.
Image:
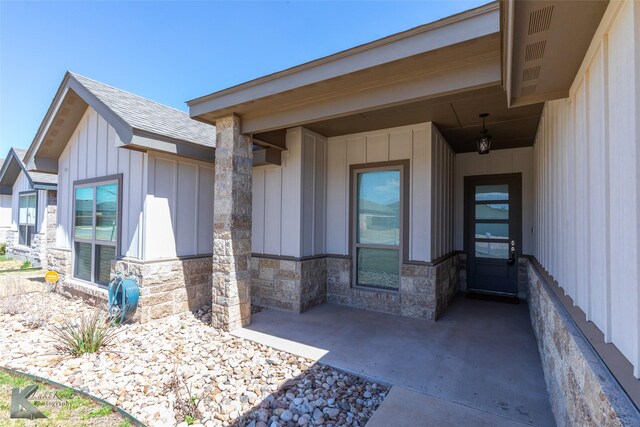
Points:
(480, 354)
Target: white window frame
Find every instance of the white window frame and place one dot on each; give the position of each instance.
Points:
(27, 242)
(94, 183)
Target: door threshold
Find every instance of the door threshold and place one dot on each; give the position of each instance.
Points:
(490, 296)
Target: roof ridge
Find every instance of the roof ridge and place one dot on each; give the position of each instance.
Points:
(76, 75)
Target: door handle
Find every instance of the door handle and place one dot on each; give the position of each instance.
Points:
(512, 253)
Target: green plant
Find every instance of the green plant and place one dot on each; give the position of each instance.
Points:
(3, 248)
(102, 411)
(26, 264)
(186, 405)
(87, 334)
(65, 393)
(125, 423)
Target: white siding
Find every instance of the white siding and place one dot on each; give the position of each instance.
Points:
(179, 208)
(514, 160)
(586, 156)
(91, 153)
(288, 214)
(428, 162)
(314, 153)
(441, 195)
(5, 211)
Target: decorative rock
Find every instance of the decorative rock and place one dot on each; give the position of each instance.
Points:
(331, 412)
(286, 415)
(239, 382)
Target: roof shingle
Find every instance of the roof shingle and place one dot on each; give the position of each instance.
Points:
(150, 116)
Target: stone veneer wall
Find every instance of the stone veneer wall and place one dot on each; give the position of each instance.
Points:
(169, 287)
(581, 388)
(288, 284)
(424, 293)
(37, 251)
(166, 287)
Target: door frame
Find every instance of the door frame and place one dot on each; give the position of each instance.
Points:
(469, 185)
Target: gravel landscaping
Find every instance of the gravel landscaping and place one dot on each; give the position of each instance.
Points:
(180, 371)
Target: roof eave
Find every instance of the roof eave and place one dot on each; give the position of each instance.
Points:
(146, 141)
(69, 82)
(12, 157)
(458, 28)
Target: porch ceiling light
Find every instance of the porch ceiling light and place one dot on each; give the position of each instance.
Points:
(484, 140)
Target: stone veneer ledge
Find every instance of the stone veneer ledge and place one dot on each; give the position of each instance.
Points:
(582, 390)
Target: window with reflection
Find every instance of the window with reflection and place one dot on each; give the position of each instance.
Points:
(378, 227)
(95, 229)
(27, 207)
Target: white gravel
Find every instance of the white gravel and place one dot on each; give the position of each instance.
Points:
(238, 381)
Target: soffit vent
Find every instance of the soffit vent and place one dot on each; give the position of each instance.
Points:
(527, 90)
(540, 20)
(531, 73)
(535, 50)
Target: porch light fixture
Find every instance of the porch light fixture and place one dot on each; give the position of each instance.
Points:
(484, 140)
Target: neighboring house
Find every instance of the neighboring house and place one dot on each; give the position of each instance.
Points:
(355, 179)
(28, 209)
(135, 194)
(5, 214)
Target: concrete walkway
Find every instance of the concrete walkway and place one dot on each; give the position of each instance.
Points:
(407, 408)
(481, 355)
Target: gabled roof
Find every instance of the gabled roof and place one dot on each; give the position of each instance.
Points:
(150, 116)
(140, 123)
(13, 164)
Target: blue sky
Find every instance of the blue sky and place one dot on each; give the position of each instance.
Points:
(175, 51)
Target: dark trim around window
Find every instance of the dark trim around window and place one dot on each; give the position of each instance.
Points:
(35, 223)
(118, 178)
(404, 166)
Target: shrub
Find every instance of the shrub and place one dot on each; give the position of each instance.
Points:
(87, 334)
(3, 248)
(26, 264)
(32, 310)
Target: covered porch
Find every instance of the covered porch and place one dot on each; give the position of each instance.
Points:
(480, 359)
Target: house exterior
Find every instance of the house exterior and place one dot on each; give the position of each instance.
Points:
(27, 209)
(370, 191)
(135, 181)
(355, 179)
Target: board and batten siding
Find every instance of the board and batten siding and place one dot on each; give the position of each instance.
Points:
(442, 181)
(587, 183)
(91, 153)
(5, 211)
(513, 160)
(178, 208)
(431, 164)
(288, 213)
(21, 185)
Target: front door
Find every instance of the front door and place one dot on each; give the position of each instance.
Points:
(493, 229)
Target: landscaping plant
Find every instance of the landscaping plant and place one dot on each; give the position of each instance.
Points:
(87, 334)
(3, 249)
(186, 403)
(25, 265)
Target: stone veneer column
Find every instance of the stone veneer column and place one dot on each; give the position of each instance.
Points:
(231, 280)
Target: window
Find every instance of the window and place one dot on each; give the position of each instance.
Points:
(95, 229)
(377, 226)
(27, 217)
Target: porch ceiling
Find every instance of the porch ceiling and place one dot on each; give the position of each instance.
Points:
(456, 116)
